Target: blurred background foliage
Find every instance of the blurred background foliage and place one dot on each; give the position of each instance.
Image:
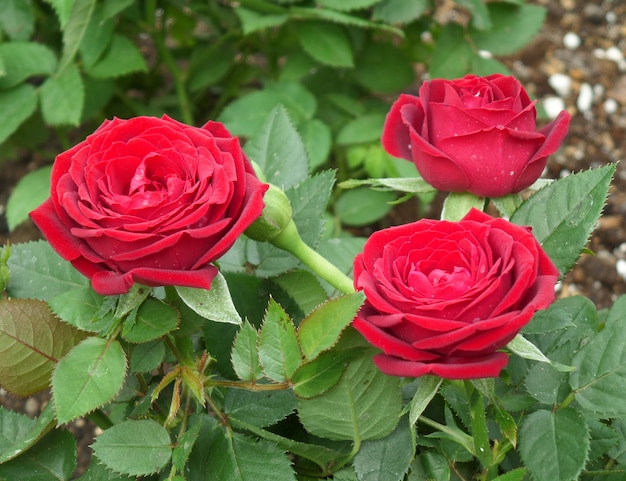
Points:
(335, 65)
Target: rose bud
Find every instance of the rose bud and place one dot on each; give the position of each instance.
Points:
(475, 134)
(150, 200)
(444, 297)
(275, 217)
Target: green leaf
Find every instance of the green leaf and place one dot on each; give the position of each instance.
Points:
(209, 64)
(31, 191)
(16, 105)
(314, 378)
(97, 472)
(147, 356)
(363, 129)
(546, 384)
(82, 308)
(121, 58)
(252, 21)
(17, 19)
(386, 459)
(514, 26)
(384, 68)
(412, 185)
(259, 408)
(135, 447)
(32, 341)
(527, 350)
(514, 475)
(346, 5)
(23, 60)
(279, 351)
(362, 206)
(278, 150)
(365, 404)
(554, 445)
(185, 443)
(599, 380)
(303, 287)
(334, 16)
(154, 319)
(317, 139)
(246, 115)
(564, 213)
(321, 329)
(452, 53)
(562, 314)
(53, 458)
(113, 7)
(244, 355)
(399, 11)
(62, 98)
(63, 8)
(38, 272)
(18, 432)
(97, 37)
(327, 43)
(74, 29)
(426, 390)
(480, 14)
(215, 304)
(220, 455)
(457, 204)
(89, 376)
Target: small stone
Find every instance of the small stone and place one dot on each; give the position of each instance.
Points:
(610, 106)
(553, 106)
(571, 40)
(585, 98)
(561, 83)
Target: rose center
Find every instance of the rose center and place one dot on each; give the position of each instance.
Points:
(441, 284)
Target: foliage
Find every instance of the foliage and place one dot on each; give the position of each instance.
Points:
(262, 378)
(65, 65)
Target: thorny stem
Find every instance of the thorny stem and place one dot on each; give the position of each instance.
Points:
(250, 386)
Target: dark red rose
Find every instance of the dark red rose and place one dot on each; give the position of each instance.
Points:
(443, 297)
(150, 200)
(475, 134)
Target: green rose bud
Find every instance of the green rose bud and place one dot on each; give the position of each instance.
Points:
(275, 218)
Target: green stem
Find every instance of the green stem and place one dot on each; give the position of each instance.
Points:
(289, 240)
(100, 419)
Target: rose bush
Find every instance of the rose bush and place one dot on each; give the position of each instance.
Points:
(150, 200)
(475, 134)
(443, 297)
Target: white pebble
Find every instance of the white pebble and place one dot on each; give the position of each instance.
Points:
(553, 106)
(611, 17)
(561, 84)
(31, 406)
(610, 106)
(571, 40)
(585, 97)
(621, 267)
(614, 53)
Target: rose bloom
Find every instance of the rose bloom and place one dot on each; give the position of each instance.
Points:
(475, 134)
(444, 297)
(149, 200)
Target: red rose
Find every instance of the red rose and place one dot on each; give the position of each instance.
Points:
(443, 297)
(475, 134)
(150, 200)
